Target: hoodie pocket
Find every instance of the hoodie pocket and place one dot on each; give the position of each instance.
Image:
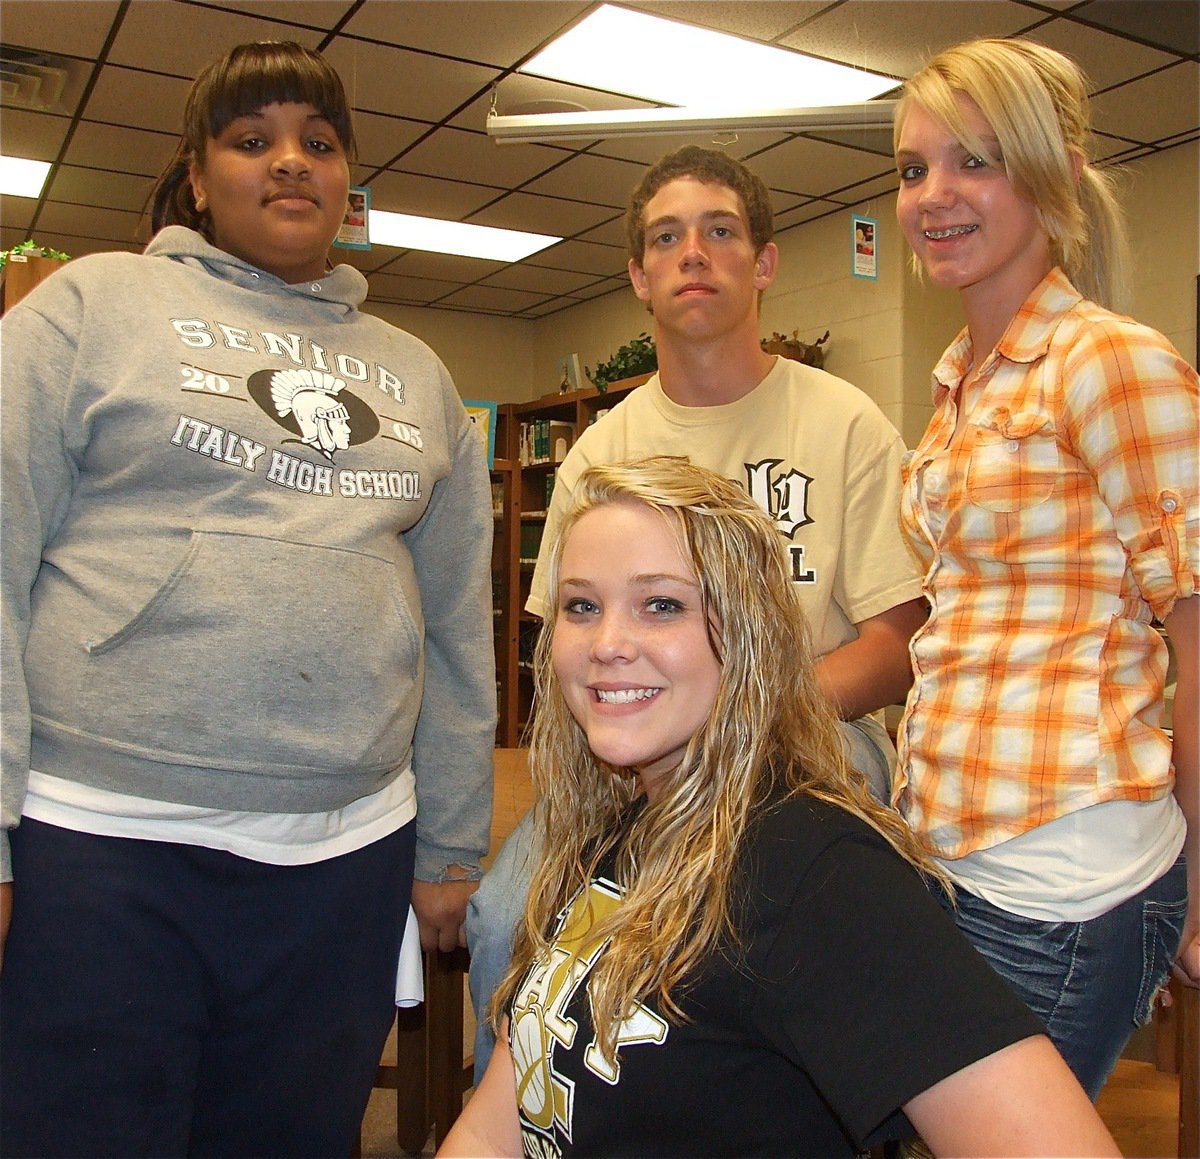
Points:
(263, 651)
(1014, 461)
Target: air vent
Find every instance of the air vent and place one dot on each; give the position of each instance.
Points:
(32, 81)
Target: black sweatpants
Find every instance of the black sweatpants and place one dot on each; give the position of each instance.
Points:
(168, 1000)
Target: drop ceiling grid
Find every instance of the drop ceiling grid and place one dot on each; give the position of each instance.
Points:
(421, 75)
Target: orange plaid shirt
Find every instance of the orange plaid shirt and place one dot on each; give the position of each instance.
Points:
(1059, 521)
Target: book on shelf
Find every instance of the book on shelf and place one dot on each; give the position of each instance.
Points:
(545, 441)
(559, 438)
(531, 541)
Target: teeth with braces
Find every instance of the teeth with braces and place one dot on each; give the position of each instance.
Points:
(953, 231)
(624, 695)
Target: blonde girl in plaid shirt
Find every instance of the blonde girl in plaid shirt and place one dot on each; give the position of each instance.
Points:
(1053, 499)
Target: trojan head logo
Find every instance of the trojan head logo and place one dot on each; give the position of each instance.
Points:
(316, 407)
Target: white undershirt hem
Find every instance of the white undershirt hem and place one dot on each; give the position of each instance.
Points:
(273, 838)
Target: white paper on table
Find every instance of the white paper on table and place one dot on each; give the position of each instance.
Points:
(410, 970)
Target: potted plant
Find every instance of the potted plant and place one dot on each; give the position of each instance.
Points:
(638, 356)
(24, 266)
(31, 249)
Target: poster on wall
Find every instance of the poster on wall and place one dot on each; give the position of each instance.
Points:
(483, 416)
(865, 232)
(354, 234)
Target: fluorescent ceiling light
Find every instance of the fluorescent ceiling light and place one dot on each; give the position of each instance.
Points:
(517, 130)
(695, 66)
(22, 178)
(404, 231)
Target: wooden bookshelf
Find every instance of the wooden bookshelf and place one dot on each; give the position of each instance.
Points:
(528, 476)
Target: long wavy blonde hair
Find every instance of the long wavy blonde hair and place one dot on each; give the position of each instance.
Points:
(770, 734)
(1036, 101)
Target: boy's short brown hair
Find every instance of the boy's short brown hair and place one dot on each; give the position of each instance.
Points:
(713, 168)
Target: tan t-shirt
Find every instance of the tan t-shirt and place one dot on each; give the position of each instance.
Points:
(815, 452)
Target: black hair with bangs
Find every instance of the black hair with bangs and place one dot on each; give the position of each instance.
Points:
(247, 78)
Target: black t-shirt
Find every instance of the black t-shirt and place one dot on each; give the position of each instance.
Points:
(852, 993)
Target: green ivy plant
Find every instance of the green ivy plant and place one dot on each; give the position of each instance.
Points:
(638, 356)
(30, 248)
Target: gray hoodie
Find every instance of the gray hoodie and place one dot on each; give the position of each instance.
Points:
(246, 547)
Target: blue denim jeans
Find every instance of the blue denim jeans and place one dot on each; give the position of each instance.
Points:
(1091, 983)
(496, 906)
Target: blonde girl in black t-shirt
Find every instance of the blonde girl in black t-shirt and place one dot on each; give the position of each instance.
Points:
(729, 947)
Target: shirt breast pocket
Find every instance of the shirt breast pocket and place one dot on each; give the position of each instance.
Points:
(1014, 461)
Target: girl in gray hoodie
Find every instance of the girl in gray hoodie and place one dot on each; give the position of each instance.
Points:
(247, 657)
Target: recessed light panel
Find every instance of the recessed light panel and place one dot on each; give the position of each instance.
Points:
(22, 178)
(622, 51)
(405, 231)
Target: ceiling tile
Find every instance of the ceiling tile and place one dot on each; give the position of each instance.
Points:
(545, 309)
(409, 289)
(602, 180)
(442, 267)
(809, 211)
(16, 213)
(37, 136)
(381, 138)
(408, 84)
(883, 186)
(496, 32)
(601, 260)
(611, 232)
(80, 26)
(869, 140)
(814, 167)
(492, 298)
(100, 146)
(553, 215)
(141, 100)
(1153, 109)
(748, 18)
(428, 196)
(1170, 24)
(323, 14)
(94, 187)
(539, 280)
(896, 37)
(473, 156)
(112, 225)
(1106, 59)
(183, 38)
(605, 286)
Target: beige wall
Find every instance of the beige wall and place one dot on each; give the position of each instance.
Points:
(488, 358)
(885, 335)
(1161, 196)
